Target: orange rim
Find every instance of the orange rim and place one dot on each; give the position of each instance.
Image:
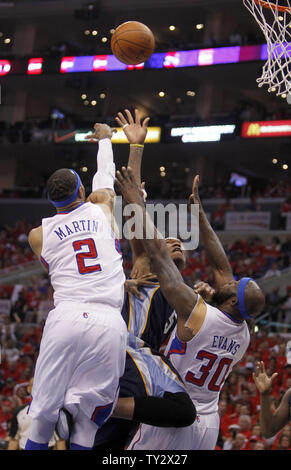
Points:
(272, 6)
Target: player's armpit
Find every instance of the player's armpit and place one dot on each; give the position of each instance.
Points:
(187, 330)
(141, 266)
(35, 240)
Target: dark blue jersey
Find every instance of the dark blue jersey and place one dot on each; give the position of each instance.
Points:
(150, 322)
(151, 319)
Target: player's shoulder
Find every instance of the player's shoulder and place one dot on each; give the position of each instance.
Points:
(34, 234)
(101, 196)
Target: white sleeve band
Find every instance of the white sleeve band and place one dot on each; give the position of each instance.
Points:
(104, 178)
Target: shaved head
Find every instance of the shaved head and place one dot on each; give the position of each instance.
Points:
(254, 299)
(226, 298)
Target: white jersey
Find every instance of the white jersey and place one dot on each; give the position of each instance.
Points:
(81, 254)
(207, 359)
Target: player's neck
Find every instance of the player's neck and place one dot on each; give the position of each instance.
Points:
(230, 313)
(64, 210)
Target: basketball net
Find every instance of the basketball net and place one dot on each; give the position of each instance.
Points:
(275, 22)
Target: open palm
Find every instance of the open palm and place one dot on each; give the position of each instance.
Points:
(262, 380)
(134, 130)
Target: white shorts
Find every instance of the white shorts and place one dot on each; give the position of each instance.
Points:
(201, 435)
(81, 359)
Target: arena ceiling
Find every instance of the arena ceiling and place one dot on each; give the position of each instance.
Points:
(228, 84)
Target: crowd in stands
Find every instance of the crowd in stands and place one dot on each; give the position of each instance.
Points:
(239, 402)
(251, 258)
(239, 399)
(22, 316)
(14, 248)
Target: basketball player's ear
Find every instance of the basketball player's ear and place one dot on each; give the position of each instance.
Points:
(233, 300)
(82, 194)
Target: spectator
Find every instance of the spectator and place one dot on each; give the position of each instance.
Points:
(19, 397)
(244, 422)
(286, 205)
(5, 416)
(239, 442)
(286, 307)
(8, 389)
(256, 430)
(260, 444)
(284, 443)
(20, 426)
(273, 271)
(225, 419)
(10, 351)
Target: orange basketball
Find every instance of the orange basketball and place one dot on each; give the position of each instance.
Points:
(132, 43)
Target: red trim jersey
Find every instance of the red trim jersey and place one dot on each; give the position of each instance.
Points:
(206, 361)
(82, 257)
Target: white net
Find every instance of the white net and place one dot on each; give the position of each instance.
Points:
(274, 18)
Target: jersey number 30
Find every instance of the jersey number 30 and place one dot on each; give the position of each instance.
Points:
(91, 253)
(209, 366)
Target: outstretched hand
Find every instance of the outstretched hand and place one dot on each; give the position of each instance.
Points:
(128, 187)
(263, 382)
(205, 290)
(101, 131)
(132, 285)
(132, 127)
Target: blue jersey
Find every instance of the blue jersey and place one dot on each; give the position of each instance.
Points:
(147, 373)
(151, 319)
(150, 322)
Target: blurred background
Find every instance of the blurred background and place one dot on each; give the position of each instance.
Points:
(208, 117)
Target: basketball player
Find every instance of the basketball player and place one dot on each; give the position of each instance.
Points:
(208, 341)
(271, 422)
(151, 390)
(153, 319)
(82, 352)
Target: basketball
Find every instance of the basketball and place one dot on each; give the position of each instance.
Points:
(132, 43)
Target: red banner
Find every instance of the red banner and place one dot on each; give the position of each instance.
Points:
(261, 129)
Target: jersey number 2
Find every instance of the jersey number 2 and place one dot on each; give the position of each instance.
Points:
(90, 254)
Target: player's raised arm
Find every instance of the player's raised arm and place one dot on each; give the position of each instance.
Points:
(103, 180)
(214, 251)
(136, 132)
(270, 422)
(180, 296)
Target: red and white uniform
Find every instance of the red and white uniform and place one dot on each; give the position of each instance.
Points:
(82, 257)
(82, 352)
(204, 363)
